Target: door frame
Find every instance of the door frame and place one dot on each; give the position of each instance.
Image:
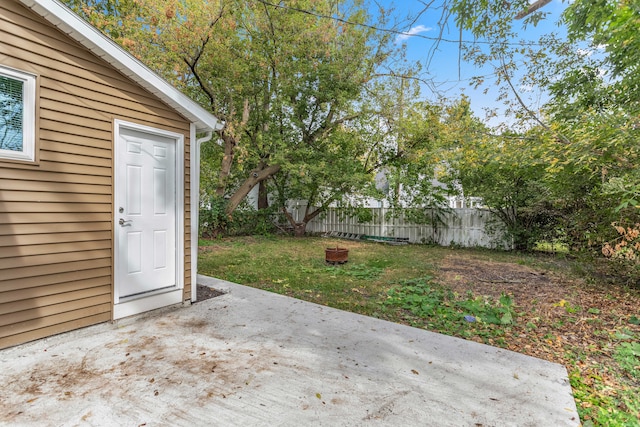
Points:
(124, 307)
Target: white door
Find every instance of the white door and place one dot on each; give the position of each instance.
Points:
(145, 213)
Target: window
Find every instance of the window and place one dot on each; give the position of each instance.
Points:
(17, 115)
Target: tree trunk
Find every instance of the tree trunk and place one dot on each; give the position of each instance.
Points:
(299, 228)
(255, 176)
(227, 162)
(263, 200)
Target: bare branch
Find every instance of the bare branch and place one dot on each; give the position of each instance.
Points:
(532, 8)
(526, 108)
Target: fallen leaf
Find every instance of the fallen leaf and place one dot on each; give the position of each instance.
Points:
(318, 395)
(415, 372)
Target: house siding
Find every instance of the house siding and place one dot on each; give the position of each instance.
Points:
(56, 215)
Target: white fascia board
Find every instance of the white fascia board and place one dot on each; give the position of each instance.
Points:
(77, 28)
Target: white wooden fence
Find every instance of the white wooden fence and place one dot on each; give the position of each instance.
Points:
(463, 227)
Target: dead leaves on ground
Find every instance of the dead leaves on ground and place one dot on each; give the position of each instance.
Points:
(561, 319)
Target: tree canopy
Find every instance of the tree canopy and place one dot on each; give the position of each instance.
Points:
(292, 84)
(579, 147)
(317, 98)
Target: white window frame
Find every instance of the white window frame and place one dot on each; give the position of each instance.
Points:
(28, 152)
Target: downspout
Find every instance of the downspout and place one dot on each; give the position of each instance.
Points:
(195, 205)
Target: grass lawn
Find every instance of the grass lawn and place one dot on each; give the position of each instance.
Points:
(543, 306)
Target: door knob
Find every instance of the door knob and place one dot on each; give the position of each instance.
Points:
(123, 222)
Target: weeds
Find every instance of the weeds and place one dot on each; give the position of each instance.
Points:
(627, 355)
(359, 271)
(444, 310)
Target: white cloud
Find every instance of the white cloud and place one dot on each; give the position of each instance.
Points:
(412, 32)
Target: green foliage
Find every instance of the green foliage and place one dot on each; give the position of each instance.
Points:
(509, 175)
(213, 219)
(607, 410)
(216, 222)
(578, 173)
(627, 355)
(255, 222)
(361, 214)
(425, 299)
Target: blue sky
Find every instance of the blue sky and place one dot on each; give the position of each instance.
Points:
(450, 74)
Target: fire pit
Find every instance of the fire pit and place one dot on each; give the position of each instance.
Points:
(336, 255)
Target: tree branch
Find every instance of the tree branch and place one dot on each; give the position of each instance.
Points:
(527, 109)
(194, 62)
(532, 8)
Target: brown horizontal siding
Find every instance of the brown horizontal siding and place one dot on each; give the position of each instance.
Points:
(75, 149)
(75, 169)
(80, 319)
(54, 187)
(95, 122)
(33, 218)
(58, 227)
(54, 156)
(65, 305)
(48, 274)
(50, 269)
(105, 101)
(55, 207)
(59, 288)
(56, 100)
(51, 324)
(29, 173)
(46, 260)
(41, 249)
(39, 239)
(73, 133)
(53, 197)
(56, 217)
(37, 302)
(76, 136)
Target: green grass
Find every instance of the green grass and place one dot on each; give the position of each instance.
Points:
(397, 283)
(297, 267)
(552, 247)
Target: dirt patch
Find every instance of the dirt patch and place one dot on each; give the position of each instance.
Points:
(491, 278)
(555, 312)
(205, 293)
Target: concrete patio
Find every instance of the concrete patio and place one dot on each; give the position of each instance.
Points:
(254, 358)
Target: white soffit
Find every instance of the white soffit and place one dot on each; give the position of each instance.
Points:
(77, 28)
